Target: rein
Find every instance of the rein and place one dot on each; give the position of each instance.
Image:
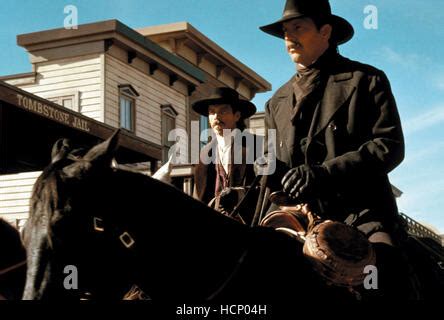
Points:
(230, 277)
(12, 268)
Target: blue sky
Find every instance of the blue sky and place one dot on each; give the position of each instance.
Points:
(408, 45)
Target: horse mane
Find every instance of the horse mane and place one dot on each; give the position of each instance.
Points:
(48, 199)
(45, 193)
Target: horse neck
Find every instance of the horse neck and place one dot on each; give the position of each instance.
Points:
(181, 244)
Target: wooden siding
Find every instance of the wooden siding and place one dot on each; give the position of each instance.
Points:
(15, 193)
(257, 124)
(60, 77)
(153, 94)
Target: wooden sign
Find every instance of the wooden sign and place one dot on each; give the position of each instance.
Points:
(52, 113)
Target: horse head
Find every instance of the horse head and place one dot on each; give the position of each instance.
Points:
(58, 233)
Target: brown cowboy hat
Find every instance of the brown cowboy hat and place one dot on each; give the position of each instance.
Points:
(342, 29)
(225, 95)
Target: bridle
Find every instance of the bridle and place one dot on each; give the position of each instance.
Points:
(101, 227)
(7, 270)
(124, 236)
(129, 241)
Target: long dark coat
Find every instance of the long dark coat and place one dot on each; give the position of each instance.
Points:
(241, 174)
(356, 133)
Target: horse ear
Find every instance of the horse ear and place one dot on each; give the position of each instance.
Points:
(59, 150)
(100, 156)
(104, 152)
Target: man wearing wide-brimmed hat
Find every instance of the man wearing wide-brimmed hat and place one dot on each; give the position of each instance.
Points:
(338, 130)
(226, 166)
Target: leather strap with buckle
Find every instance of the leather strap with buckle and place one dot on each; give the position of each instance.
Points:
(126, 239)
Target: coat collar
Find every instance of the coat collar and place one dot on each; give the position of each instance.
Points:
(337, 92)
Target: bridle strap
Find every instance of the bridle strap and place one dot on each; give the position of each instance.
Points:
(128, 242)
(12, 268)
(243, 202)
(124, 237)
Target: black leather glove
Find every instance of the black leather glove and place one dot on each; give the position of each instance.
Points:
(304, 182)
(228, 199)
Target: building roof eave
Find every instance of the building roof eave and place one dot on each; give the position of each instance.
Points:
(186, 30)
(104, 29)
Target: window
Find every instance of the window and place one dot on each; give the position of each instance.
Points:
(204, 126)
(168, 123)
(69, 100)
(127, 113)
(127, 106)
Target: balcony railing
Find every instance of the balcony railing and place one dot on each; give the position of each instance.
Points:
(416, 229)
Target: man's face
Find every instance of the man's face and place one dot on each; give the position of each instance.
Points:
(304, 42)
(221, 117)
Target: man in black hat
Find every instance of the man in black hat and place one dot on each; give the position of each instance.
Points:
(226, 164)
(338, 132)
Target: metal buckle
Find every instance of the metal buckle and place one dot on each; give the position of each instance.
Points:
(127, 240)
(98, 224)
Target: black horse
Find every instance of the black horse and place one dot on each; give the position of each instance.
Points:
(102, 229)
(12, 263)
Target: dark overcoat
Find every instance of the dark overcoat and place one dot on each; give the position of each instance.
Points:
(356, 134)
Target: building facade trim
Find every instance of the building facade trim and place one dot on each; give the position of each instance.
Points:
(109, 31)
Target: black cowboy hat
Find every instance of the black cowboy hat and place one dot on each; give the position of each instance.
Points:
(225, 95)
(342, 29)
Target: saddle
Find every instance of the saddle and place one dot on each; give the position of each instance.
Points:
(338, 252)
(288, 219)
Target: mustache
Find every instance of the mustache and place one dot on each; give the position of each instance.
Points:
(293, 45)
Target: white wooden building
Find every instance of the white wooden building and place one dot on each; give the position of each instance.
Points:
(141, 80)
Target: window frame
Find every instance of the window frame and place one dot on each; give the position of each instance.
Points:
(169, 113)
(127, 92)
(204, 124)
(74, 96)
